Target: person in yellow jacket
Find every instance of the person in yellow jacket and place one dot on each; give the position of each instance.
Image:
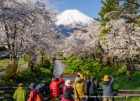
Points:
(20, 93)
(79, 88)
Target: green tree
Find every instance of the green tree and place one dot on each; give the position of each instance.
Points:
(89, 66)
(131, 6)
(107, 6)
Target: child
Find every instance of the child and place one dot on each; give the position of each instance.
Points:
(20, 93)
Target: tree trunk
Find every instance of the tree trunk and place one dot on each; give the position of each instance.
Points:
(42, 57)
(32, 61)
(130, 69)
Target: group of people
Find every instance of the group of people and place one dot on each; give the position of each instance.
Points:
(80, 89)
(35, 92)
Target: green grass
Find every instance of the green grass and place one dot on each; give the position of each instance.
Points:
(133, 99)
(127, 98)
(122, 82)
(22, 61)
(3, 63)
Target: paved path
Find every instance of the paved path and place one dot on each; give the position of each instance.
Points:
(69, 76)
(58, 68)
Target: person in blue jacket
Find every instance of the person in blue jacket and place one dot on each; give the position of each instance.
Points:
(107, 87)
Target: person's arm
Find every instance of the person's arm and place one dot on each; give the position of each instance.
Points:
(30, 96)
(112, 80)
(15, 95)
(25, 93)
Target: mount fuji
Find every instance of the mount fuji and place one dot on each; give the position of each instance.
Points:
(73, 17)
(71, 20)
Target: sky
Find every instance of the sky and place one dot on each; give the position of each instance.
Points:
(89, 7)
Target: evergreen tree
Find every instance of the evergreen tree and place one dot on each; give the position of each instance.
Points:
(107, 6)
(131, 6)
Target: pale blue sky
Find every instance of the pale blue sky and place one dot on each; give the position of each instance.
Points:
(89, 7)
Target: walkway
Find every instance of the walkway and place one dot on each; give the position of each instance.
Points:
(58, 68)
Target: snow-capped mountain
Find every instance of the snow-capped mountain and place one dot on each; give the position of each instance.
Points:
(25, 1)
(73, 17)
(70, 20)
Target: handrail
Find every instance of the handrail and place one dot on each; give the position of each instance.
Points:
(121, 93)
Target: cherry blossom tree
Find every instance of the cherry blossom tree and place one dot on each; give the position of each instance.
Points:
(25, 28)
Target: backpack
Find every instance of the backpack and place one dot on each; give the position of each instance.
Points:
(32, 96)
(38, 97)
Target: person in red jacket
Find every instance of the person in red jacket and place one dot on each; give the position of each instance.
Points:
(54, 89)
(33, 93)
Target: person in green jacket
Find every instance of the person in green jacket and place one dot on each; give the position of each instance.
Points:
(20, 93)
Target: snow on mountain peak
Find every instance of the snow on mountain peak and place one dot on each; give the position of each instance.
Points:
(73, 17)
(24, 1)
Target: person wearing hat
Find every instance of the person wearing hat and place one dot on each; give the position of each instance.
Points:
(20, 93)
(44, 88)
(54, 89)
(67, 91)
(32, 92)
(79, 88)
(107, 88)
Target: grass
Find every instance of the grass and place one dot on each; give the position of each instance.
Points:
(22, 61)
(133, 99)
(122, 82)
(127, 98)
(3, 63)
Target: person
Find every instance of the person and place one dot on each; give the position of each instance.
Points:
(79, 88)
(54, 89)
(77, 77)
(44, 88)
(88, 86)
(89, 89)
(67, 91)
(93, 90)
(20, 93)
(107, 88)
(33, 93)
(39, 96)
